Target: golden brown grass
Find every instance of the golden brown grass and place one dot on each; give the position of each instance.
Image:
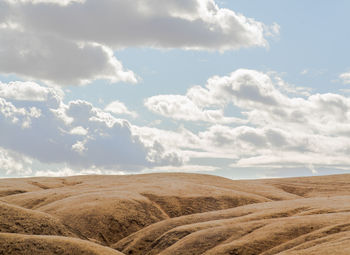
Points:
(175, 214)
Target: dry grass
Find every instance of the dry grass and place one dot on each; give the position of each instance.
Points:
(14, 244)
(175, 214)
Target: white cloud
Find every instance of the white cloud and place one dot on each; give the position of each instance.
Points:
(262, 100)
(293, 159)
(58, 61)
(19, 116)
(26, 91)
(79, 131)
(191, 24)
(280, 129)
(119, 108)
(12, 163)
(345, 77)
(178, 139)
(77, 134)
(66, 171)
(245, 88)
(71, 42)
(287, 88)
(79, 147)
(182, 108)
(272, 30)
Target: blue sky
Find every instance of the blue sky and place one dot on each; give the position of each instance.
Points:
(279, 101)
(312, 37)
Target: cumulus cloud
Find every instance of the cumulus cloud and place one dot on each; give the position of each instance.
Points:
(278, 128)
(12, 163)
(119, 108)
(262, 101)
(58, 61)
(191, 24)
(76, 134)
(26, 91)
(71, 42)
(182, 108)
(245, 88)
(345, 77)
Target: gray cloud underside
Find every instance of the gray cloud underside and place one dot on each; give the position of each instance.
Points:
(56, 60)
(76, 134)
(72, 42)
(153, 23)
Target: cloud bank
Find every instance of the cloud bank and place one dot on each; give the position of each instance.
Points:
(278, 129)
(41, 127)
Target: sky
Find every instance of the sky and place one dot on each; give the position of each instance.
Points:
(240, 89)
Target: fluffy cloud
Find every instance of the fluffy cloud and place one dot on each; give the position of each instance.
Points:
(345, 77)
(76, 134)
(56, 60)
(27, 91)
(71, 42)
(262, 102)
(191, 24)
(12, 163)
(278, 129)
(247, 89)
(244, 88)
(182, 108)
(119, 108)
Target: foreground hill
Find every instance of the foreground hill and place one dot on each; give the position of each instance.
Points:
(174, 214)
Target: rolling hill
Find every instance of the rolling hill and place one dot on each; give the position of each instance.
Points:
(175, 213)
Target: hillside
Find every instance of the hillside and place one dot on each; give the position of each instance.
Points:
(175, 214)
